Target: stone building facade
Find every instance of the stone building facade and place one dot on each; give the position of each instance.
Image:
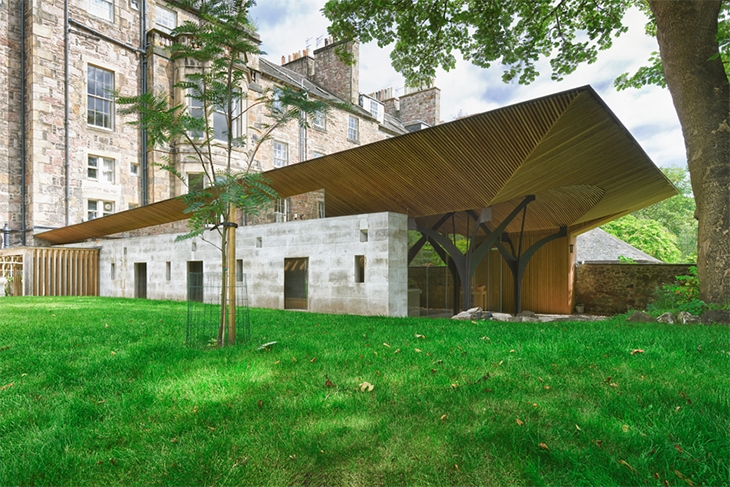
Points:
(67, 155)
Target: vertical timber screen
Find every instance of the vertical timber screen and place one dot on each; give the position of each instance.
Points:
(204, 309)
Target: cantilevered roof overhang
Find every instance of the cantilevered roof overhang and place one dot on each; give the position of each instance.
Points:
(568, 150)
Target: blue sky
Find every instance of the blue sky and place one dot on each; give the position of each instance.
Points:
(287, 26)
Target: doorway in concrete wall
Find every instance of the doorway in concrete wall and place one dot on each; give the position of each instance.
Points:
(195, 280)
(296, 283)
(140, 280)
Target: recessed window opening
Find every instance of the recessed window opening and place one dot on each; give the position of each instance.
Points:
(359, 268)
(113, 271)
(168, 271)
(363, 235)
(165, 19)
(259, 242)
(100, 97)
(239, 270)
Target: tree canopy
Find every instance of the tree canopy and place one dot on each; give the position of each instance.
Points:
(692, 62)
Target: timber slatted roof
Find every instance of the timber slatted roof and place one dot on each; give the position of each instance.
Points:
(567, 149)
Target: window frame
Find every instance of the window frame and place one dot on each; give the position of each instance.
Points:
(317, 115)
(95, 98)
(285, 159)
(162, 26)
(353, 133)
(103, 168)
(92, 7)
(219, 113)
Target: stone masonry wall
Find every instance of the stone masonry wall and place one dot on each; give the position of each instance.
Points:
(331, 245)
(423, 105)
(616, 288)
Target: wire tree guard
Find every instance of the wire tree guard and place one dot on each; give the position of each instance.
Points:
(204, 309)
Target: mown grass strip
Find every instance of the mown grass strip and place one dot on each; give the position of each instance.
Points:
(104, 392)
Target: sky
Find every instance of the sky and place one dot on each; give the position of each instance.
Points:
(287, 26)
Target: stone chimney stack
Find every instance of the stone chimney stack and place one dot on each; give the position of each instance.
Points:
(423, 105)
(336, 76)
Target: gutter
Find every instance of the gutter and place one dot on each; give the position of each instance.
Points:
(143, 90)
(23, 195)
(66, 149)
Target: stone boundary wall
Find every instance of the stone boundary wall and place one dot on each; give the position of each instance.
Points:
(617, 288)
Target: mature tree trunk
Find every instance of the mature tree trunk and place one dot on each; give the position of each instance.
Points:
(686, 33)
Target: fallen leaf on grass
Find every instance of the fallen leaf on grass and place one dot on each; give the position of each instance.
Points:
(417, 350)
(613, 384)
(386, 345)
(454, 386)
(578, 428)
(625, 428)
(366, 386)
(260, 404)
(676, 410)
(418, 335)
(313, 360)
(519, 422)
(433, 371)
(443, 417)
(512, 351)
(623, 462)
(7, 386)
(598, 443)
(113, 352)
(293, 359)
(456, 467)
(277, 362)
(328, 383)
(547, 388)
(173, 440)
(637, 350)
(543, 446)
(678, 448)
(666, 483)
(397, 350)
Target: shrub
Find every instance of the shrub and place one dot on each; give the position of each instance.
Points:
(683, 295)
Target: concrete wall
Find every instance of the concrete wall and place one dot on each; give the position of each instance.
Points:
(616, 288)
(330, 244)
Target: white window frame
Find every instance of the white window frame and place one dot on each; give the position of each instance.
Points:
(277, 105)
(281, 210)
(93, 211)
(195, 108)
(281, 154)
(104, 9)
(219, 115)
(353, 129)
(100, 169)
(319, 120)
(165, 18)
(99, 98)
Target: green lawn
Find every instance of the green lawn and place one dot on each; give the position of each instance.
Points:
(99, 391)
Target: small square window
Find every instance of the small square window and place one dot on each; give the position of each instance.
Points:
(100, 169)
(259, 242)
(196, 182)
(165, 19)
(134, 169)
(363, 235)
(353, 129)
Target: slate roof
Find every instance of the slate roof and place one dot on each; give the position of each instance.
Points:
(600, 246)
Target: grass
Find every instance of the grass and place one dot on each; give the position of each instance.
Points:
(99, 391)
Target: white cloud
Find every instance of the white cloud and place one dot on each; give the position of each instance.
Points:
(287, 26)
